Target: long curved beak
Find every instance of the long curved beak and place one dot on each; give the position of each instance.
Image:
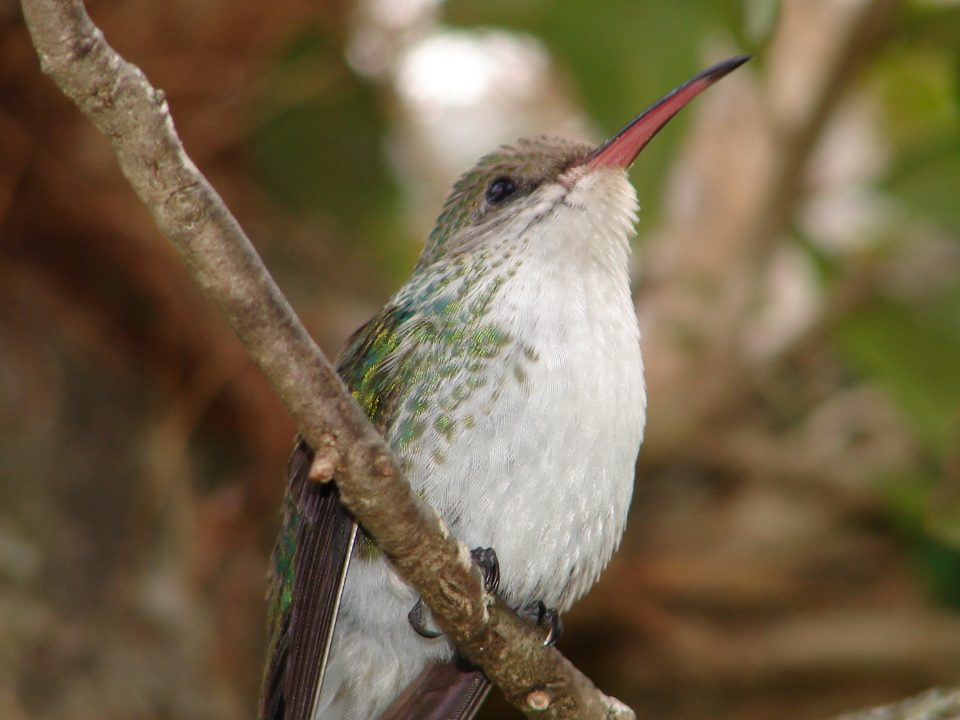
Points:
(622, 149)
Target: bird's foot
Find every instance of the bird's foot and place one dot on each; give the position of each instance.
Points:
(538, 614)
(544, 617)
(486, 559)
(420, 622)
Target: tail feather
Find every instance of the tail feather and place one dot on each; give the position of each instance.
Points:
(442, 691)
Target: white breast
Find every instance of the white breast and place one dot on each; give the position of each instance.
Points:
(541, 466)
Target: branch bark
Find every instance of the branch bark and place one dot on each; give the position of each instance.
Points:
(936, 704)
(118, 99)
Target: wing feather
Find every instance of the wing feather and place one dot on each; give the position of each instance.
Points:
(307, 596)
(312, 555)
(442, 691)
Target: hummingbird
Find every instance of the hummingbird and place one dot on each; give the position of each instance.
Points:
(507, 376)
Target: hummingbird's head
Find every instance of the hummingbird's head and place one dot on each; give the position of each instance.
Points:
(516, 187)
(499, 186)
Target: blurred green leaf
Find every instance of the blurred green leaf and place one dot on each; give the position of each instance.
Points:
(940, 566)
(927, 182)
(943, 504)
(913, 354)
(937, 559)
(943, 521)
(918, 87)
(320, 148)
(922, 24)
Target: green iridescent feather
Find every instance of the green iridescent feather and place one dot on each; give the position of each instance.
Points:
(358, 366)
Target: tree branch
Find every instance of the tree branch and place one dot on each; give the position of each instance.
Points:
(118, 99)
(936, 704)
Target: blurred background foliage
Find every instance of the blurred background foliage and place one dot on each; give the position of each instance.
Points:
(794, 548)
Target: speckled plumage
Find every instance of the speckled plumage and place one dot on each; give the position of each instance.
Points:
(507, 375)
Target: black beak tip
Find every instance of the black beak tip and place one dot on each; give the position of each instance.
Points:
(724, 67)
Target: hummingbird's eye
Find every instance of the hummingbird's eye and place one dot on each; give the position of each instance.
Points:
(500, 189)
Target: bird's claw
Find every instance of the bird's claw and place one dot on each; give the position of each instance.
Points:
(486, 560)
(419, 623)
(542, 616)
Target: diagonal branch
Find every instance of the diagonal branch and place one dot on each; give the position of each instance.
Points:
(118, 99)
